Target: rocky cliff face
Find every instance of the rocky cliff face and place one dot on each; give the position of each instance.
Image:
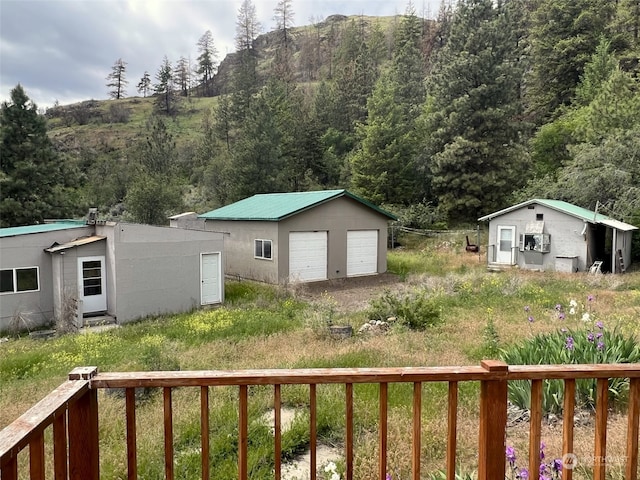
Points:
(313, 47)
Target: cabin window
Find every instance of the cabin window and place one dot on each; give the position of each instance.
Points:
(14, 280)
(535, 242)
(539, 217)
(262, 249)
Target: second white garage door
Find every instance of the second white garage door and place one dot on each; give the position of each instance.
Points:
(307, 256)
(362, 252)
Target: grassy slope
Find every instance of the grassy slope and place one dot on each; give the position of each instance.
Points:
(262, 327)
(101, 135)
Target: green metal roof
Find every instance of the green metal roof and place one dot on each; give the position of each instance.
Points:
(273, 207)
(41, 228)
(565, 207)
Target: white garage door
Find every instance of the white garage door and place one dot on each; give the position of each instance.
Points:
(362, 252)
(307, 256)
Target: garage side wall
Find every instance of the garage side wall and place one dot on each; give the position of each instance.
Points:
(336, 217)
(157, 269)
(239, 248)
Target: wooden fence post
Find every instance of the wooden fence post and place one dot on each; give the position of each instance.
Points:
(84, 458)
(493, 422)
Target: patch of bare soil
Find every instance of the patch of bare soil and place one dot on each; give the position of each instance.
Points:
(351, 294)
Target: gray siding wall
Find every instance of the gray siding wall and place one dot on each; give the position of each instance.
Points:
(565, 231)
(157, 269)
(337, 217)
(36, 308)
(68, 268)
(239, 248)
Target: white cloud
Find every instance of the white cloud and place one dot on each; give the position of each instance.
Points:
(64, 49)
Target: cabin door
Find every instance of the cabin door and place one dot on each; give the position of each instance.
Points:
(506, 244)
(92, 285)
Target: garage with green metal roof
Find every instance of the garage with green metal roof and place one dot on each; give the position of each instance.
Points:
(302, 236)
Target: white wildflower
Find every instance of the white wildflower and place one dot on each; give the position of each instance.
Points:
(330, 467)
(573, 303)
(586, 317)
(572, 311)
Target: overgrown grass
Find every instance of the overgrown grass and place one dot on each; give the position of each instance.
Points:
(263, 326)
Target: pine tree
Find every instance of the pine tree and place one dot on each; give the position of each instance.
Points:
(166, 101)
(35, 183)
(244, 83)
(206, 67)
(154, 191)
(384, 169)
(182, 77)
(473, 148)
(117, 80)
(283, 16)
(144, 86)
(563, 35)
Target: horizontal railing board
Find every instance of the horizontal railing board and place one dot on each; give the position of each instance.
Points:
(17, 435)
(297, 376)
(578, 371)
(358, 375)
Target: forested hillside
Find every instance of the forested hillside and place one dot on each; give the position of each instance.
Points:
(441, 121)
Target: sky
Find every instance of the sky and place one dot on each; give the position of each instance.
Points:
(62, 50)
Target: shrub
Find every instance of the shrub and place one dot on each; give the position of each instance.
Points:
(414, 309)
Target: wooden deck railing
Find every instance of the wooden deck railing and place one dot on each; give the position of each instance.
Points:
(72, 411)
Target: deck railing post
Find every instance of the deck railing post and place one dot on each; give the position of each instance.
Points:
(493, 422)
(84, 460)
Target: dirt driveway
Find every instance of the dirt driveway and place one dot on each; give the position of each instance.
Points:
(351, 294)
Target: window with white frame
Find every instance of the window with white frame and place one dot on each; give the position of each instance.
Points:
(262, 249)
(15, 280)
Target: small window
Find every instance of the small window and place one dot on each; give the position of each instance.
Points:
(539, 217)
(262, 249)
(14, 280)
(537, 242)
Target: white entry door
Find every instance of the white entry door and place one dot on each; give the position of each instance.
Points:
(307, 256)
(92, 284)
(362, 252)
(506, 244)
(210, 278)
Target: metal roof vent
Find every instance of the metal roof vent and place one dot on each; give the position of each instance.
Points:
(92, 216)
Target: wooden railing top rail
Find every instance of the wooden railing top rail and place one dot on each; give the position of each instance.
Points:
(550, 372)
(360, 375)
(18, 434)
(286, 376)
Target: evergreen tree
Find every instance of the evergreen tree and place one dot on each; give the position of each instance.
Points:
(563, 36)
(206, 61)
(257, 152)
(244, 83)
(596, 72)
(117, 80)
(144, 86)
(154, 190)
(214, 157)
(283, 16)
(473, 147)
(166, 100)
(35, 183)
(384, 169)
(182, 76)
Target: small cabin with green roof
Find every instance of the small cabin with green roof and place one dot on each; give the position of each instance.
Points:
(542, 234)
(302, 236)
(73, 270)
